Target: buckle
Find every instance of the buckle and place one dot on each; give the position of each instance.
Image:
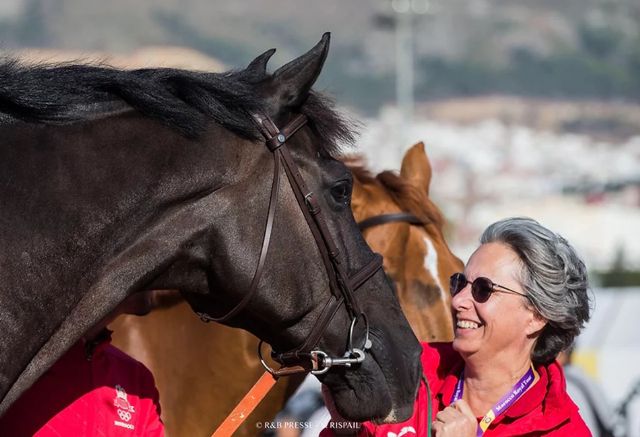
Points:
(312, 205)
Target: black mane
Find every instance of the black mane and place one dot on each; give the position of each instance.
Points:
(183, 100)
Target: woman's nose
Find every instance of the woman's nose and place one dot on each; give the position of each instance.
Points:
(463, 298)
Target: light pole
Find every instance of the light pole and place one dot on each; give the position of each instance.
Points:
(404, 15)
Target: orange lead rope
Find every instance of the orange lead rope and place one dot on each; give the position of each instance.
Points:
(246, 406)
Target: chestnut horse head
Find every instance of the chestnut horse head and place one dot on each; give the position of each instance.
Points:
(416, 255)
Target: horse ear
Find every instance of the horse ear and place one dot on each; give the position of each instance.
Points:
(257, 69)
(416, 167)
(293, 81)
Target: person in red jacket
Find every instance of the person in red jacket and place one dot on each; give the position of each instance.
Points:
(521, 300)
(93, 390)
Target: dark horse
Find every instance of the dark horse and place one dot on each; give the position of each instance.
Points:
(113, 182)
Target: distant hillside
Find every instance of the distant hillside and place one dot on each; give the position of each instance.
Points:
(557, 48)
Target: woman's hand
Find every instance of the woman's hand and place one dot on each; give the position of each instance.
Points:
(457, 420)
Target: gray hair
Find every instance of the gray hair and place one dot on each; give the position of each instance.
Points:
(553, 276)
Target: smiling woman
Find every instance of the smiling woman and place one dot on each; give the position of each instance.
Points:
(521, 300)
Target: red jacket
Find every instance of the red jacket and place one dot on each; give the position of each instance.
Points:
(545, 409)
(110, 394)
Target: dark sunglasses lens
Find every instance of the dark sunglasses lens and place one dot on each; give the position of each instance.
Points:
(481, 289)
(456, 283)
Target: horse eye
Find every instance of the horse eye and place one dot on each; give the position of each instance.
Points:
(341, 192)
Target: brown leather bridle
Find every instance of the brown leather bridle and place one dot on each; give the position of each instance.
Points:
(320, 361)
(306, 357)
(395, 217)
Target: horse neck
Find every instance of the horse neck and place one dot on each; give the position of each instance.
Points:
(83, 213)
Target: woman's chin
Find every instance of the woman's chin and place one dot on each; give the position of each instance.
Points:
(463, 346)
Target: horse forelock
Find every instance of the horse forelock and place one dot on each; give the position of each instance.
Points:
(333, 128)
(358, 169)
(180, 99)
(411, 199)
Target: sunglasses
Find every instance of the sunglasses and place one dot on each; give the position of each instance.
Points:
(481, 288)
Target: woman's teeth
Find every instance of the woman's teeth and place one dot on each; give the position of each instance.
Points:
(466, 324)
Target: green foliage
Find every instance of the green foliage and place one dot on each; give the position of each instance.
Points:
(618, 275)
(605, 63)
(612, 278)
(573, 74)
(599, 41)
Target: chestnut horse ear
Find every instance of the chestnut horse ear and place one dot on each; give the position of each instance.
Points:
(291, 83)
(416, 167)
(257, 69)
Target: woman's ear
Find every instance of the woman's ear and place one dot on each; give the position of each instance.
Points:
(536, 324)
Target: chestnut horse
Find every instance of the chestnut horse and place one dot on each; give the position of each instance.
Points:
(198, 381)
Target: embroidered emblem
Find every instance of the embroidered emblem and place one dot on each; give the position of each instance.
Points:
(404, 431)
(123, 408)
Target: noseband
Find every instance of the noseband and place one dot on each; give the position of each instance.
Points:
(383, 219)
(306, 357)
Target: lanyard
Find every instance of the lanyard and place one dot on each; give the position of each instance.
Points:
(501, 406)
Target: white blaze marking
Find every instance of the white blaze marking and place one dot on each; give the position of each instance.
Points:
(431, 265)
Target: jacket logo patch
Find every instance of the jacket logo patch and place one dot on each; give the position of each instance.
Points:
(124, 409)
(404, 431)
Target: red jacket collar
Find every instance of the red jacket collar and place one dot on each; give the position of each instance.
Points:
(548, 396)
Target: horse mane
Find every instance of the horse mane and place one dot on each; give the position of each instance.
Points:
(182, 100)
(409, 198)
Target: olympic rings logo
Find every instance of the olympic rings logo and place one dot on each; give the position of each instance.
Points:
(124, 415)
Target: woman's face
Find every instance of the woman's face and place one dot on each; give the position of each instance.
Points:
(503, 325)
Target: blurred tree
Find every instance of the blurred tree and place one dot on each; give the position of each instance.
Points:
(601, 41)
(619, 275)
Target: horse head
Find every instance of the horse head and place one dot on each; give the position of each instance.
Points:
(315, 250)
(224, 187)
(408, 228)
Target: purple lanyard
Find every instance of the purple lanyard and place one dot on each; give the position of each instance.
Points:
(501, 406)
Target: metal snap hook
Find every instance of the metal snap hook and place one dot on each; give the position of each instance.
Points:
(321, 362)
